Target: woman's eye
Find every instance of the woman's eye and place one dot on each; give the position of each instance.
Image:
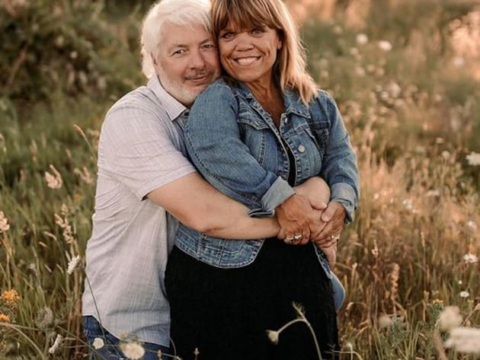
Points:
(257, 31)
(228, 35)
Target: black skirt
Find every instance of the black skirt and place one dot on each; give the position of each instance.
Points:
(225, 313)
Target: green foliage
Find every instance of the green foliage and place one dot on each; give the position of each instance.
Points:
(64, 47)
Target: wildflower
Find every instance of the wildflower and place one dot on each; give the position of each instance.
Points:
(56, 344)
(445, 154)
(470, 258)
(337, 29)
(464, 339)
(4, 226)
(385, 45)
(44, 318)
(4, 318)
(359, 71)
(273, 336)
(98, 343)
(473, 159)
(464, 294)
(362, 39)
(53, 181)
(449, 318)
(10, 296)
(433, 193)
(132, 350)
(385, 321)
(458, 61)
(471, 225)
(408, 204)
(73, 264)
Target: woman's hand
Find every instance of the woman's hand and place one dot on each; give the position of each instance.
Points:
(331, 253)
(334, 217)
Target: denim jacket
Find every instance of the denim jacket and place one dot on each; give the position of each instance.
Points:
(235, 145)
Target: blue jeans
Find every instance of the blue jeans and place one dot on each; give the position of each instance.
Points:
(111, 351)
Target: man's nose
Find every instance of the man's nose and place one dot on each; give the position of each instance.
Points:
(197, 60)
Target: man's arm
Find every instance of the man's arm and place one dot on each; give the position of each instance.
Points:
(198, 205)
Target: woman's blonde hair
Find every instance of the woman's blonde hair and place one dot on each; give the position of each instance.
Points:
(290, 67)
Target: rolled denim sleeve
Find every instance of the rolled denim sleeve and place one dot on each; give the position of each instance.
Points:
(213, 141)
(340, 169)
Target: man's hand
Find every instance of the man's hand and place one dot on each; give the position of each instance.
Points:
(334, 217)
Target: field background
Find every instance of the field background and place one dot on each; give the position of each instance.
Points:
(406, 75)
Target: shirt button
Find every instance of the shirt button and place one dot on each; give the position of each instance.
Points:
(301, 148)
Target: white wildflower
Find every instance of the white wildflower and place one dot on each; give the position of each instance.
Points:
(408, 204)
(473, 159)
(337, 29)
(449, 318)
(458, 61)
(4, 226)
(470, 258)
(471, 225)
(445, 154)
(53, 181)
(73, 264)
(44, 318)
(362, 39)
(273, 336)
(98, 343)
(359, 71)
(465, 340)
(132, 350)
(56, 344)
(385, 45)
(464, 294)
(385, 321)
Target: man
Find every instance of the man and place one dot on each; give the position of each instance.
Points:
(144, 176)
(142, 164)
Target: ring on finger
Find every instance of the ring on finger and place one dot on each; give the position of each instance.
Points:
(297, 236)
(288, 240)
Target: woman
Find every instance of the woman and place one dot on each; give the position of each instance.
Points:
(255, 134)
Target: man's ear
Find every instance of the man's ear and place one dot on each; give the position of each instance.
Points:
(154, 59)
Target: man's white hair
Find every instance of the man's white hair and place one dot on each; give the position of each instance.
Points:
(188, 13)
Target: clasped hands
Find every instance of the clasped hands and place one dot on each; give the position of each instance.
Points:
(310, 216)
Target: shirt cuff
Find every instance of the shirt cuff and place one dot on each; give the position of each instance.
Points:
(277, 194)
(345, 195)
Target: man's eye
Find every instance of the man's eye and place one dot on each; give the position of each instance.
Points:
(179, 52)
(209, 46)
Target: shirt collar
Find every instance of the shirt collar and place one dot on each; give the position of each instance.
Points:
(291, 98)
(173, 107)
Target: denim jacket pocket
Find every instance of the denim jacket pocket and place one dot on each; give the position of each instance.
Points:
(319, 137)
(253, 133)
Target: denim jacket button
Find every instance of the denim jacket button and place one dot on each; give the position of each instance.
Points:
(301, 148)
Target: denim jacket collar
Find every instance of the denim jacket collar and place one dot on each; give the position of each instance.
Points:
(292, 101)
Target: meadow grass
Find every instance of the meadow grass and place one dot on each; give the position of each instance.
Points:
(413, 112)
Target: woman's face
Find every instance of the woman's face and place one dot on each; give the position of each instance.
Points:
(248, 55)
